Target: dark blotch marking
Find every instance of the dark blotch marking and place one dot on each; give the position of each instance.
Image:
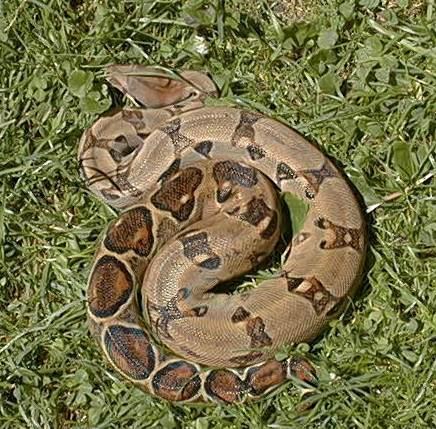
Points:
(245, 127)
(266, 376)
(177, 381)
(130, 351)
(247, 358)
(344, 237)
(132, 231)
(110, 287)
(235, 173)
(176, 195)
(172, 129)
(257, 210)
(204, 148)
(249, 118)
(256, 331)
(255, 152)
(197, 245)
(233, 211)
(199, 311)
(183, 293)
(271, 227)
(284, 172)
(167, 313)
(175, 309)
(211, 263)
(223, 385)
(309, 194)
(240, 315)
(170, 171)
(223, 194)
(122, 183)
(316, 293)
(294, 282)
(166, 229)
(316, 177)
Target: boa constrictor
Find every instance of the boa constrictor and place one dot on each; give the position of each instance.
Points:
(199, 189)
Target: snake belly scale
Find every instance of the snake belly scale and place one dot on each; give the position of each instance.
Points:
(199, 189)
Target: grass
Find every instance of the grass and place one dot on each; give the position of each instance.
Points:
(357, 77)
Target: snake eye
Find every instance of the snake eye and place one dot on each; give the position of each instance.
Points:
(194, 94)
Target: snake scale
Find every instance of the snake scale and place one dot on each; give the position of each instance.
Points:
(198, 186)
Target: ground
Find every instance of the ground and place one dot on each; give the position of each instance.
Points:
(356, 77)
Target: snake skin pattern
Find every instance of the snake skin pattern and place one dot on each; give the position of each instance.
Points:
(199, 188)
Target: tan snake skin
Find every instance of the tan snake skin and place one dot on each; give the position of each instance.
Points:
(199, 186)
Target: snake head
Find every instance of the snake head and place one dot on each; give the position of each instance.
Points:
(158, 87)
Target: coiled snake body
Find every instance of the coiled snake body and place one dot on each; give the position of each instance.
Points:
(198, 185)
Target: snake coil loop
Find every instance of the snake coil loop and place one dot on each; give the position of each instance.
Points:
(198, 186)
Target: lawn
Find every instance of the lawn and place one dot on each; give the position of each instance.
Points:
(358, 77)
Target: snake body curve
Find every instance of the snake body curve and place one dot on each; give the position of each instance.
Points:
(198, 186)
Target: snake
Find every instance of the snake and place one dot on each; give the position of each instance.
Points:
(200, 189)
